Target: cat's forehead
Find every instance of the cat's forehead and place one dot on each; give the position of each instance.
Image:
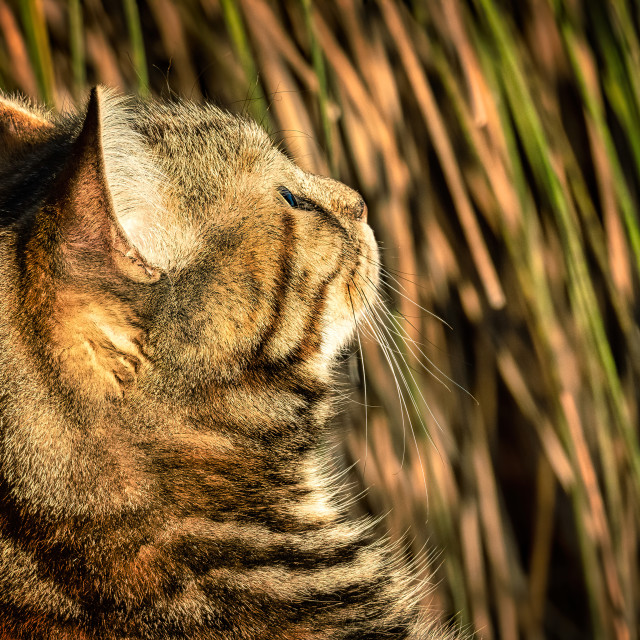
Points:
(211, 145)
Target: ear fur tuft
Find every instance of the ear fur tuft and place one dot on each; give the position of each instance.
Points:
(19, 125)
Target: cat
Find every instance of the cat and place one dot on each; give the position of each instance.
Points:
(174, 293)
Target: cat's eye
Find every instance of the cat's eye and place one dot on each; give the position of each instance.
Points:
(288, 196)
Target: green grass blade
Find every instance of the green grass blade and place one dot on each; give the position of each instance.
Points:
(235, 26)
(39, 48)
(317, 59)
(137, 45)
(76, 45)
(595, 112)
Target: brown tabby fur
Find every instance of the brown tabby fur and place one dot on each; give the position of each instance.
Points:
(168, 326)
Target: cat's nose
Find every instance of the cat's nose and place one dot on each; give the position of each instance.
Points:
(337, 197)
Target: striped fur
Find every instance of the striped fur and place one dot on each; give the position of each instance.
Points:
(169, 325)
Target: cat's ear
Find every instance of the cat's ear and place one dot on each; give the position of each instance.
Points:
(18, 125)
(82, 210)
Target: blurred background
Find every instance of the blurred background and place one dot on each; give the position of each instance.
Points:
(497, 144)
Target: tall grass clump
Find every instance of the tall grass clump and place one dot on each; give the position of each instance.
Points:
(498, 148)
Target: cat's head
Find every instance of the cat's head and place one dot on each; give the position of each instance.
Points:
(174, 245)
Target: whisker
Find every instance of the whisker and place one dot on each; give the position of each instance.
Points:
(385, 274)
(380, 339)
(364, 383)
(404, 410)
(404, 336)
(395, 367)
(399, 368)
(388, 270)
(407, 368)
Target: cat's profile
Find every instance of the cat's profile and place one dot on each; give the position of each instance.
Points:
(173, 294)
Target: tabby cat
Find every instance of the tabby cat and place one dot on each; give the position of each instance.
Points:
(174, 292)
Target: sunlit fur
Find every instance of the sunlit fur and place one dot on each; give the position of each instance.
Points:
(168, 326)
